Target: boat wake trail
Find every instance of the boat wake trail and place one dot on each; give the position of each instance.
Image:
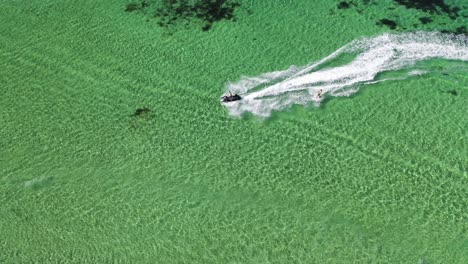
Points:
(363, 61)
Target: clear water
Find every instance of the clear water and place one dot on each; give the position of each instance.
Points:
(376, 177)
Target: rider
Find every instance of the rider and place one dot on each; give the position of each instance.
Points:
(319, 95)
(230, 97)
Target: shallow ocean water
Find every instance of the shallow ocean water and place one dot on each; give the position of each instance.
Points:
(377, 177)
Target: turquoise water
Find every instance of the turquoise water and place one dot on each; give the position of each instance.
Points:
(379, 176)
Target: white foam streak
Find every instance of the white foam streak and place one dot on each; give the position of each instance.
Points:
(301, 85)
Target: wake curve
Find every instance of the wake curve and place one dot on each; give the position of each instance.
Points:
(373, 56)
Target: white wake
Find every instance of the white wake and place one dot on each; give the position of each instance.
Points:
(372, 56)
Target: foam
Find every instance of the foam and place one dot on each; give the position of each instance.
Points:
(373, 56)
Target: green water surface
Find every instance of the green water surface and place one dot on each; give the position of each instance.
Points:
(379, 177)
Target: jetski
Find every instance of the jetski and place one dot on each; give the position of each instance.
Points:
(230, 98)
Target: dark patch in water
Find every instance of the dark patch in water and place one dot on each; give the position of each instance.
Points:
(172, 12)
(432, 9)
(458, 31)
(140, 112)
(145, 3)
(387, 22)
(132, 7)
(207, 27)
(461, 30)
(452, 92)
(142, 117)
(137, 6)
(425, 20)
(343, 5)
(208, 11)
(432, 6)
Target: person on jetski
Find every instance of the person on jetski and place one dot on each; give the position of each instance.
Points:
(230, 97)
(319, 94)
